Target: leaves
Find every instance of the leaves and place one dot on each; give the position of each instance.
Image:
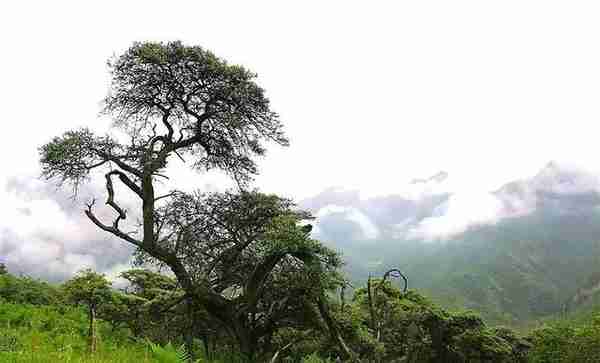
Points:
(168, 353)
(88, 287)
(220, 115)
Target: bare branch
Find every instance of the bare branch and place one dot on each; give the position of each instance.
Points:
(165, 196)
(117, 160)
(394, 272)
(110, 200)
(111, 229)
(288, 345)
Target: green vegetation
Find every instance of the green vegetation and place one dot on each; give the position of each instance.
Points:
(514, 272)
(30, 333)
(567, 340)
(387, 325)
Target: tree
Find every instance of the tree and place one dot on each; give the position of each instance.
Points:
(90, 289)
(179, 101)
(148, 284)
(150, 306)
(411, 327)
(259, 268)
(3, 270)
(26, 290)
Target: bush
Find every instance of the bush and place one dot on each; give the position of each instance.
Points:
(567, 341)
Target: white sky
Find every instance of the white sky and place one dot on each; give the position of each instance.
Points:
(372, 93)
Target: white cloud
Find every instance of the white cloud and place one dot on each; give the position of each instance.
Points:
(459, 212)
(45, 233)
(368, 228)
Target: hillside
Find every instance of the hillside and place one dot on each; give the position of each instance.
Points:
(522, 268)
(538, 254)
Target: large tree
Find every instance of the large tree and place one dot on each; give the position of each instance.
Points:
(173, 100)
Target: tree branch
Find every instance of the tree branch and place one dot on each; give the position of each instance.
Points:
(111, 229)
(288, 345)
(120, 163)
(254, 284)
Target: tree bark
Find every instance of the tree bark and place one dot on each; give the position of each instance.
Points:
(92, 329)
(246, 341)
(189, 333)
(333, 330)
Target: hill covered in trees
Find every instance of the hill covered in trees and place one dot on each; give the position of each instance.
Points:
(534, 253)
(519, 269)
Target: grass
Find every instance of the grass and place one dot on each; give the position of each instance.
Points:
(31, 334)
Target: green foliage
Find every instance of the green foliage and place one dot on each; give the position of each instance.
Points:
(567, 341)
(30, 334)
(314, 358)
(71, 156)
(169, 353)
(190, 85)
(148, 284)
(88, 288)
(408, 326)
(512, 272)
(26, 290)
(10, 342)
(414, 329)
(148, 306)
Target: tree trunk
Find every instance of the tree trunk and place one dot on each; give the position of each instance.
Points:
(323, 309)
(246, 341)
(189, 333)
(92, 329)
(206, 344)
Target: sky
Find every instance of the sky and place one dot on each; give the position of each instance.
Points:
(372, 93)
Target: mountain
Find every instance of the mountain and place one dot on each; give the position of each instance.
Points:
(527, 250)
(555, 189)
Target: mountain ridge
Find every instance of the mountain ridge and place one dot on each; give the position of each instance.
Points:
(528, 258)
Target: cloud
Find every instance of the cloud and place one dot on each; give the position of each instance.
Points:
(557, 188)
(439, 207)
(44, 233)
(459, 212)
(332, 219)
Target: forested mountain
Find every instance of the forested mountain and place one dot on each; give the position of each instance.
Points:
(532, 254)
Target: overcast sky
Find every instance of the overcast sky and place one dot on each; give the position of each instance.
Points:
(372, 93)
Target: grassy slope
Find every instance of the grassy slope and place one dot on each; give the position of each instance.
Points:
(58, 334)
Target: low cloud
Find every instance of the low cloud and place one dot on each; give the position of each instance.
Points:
(44, 232)
(351, 223)
(457, 214)
(437, 207)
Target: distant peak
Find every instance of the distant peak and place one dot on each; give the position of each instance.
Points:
(555, 172)
(438, 178)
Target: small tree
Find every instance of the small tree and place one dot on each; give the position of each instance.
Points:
(90, 289)
(3, 270)
(148, 306)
